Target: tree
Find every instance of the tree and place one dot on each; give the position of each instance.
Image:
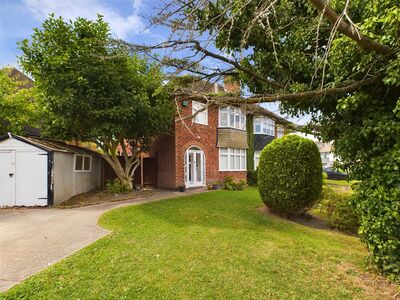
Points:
(95, 91)
(18, 107)
(336, 60)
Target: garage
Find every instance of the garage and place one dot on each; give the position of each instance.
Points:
(42, 172)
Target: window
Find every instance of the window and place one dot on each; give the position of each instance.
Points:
(233, 117)
(256, 159)
(280, 131)
(232, 159)
(83, 163)
(263, 125)
(199, 110)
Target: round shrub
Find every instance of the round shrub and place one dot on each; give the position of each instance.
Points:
(290, 175)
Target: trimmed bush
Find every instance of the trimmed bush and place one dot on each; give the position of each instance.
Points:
(290, 175)
(339, 211)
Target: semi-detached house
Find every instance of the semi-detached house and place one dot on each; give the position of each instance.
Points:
(211, 142)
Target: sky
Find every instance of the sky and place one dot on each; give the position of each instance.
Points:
(127, 20)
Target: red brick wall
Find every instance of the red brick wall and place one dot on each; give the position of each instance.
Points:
(164, 150)
(204, 137)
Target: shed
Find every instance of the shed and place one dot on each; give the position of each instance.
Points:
(42, 172)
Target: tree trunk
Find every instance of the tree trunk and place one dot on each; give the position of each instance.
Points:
(124, 173)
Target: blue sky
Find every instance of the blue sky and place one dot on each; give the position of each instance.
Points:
(19, 17)
(126, 18)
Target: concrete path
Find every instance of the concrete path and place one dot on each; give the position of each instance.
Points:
(32, 239)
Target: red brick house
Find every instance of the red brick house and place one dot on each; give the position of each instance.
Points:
(209, 145)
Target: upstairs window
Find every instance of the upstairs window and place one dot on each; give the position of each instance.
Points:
(264, 125)
(83, 163)
(200, 113)
(233, 117)
(280, 131)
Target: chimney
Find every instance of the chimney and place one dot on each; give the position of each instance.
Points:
(231, 85)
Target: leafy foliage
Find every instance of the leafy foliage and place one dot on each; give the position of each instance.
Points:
(252, 177)
(95, 91)
(338, 209)
(293, 44)
(231, 185)
(18, 106)
(116, 186)
(290, 175)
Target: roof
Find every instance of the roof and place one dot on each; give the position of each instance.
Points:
(51, 145)
(16, 75)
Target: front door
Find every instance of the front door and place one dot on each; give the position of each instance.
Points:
(194, 167)
(7, 178)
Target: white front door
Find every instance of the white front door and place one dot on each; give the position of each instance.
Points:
(7, 178)
(194, 167)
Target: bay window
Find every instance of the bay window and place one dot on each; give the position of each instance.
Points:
(233, 117)
(264, 125)
(232, 159)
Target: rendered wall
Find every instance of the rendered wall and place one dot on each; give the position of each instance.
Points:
(67, 182)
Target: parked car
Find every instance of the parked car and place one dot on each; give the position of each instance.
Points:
(335, 174)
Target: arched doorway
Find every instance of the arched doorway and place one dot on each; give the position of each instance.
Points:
(194, 167)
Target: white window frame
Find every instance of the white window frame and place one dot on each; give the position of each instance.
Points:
(238, 155)
(197, 106)
(256, 159)
(267, 126)
(238, 114)
(83, 163)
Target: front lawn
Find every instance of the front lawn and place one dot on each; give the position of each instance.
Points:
(212, 245)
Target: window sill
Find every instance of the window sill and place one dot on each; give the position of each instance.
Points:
(232, 170)
(259, 133)
(82, 171)
(227, 127)
(197, 123)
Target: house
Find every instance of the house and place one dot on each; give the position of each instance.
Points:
(327, 156)
(210, 143)
(325, 149)
(43, 172)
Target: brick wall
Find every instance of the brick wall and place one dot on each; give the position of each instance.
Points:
(189, 134)
(164, 151)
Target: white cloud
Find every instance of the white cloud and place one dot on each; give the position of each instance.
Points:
(121, 26)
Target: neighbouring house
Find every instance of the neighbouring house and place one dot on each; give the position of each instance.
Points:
(325, 149)
(327, 156)
(43, 172)
(210, 143)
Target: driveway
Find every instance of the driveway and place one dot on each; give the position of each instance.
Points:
(32, 239)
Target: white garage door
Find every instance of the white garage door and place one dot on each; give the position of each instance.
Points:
(23, 178)
(7, 178)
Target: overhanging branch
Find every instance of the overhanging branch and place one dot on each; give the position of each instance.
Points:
(292, 98)
(349, 30)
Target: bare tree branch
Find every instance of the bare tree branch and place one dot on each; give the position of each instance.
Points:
(295, 98)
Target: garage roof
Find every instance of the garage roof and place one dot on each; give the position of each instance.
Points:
(51, 145)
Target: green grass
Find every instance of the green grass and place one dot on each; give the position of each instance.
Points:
(339, 182)
(212, 245)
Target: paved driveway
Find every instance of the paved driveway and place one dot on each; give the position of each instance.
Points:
(33, 239)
